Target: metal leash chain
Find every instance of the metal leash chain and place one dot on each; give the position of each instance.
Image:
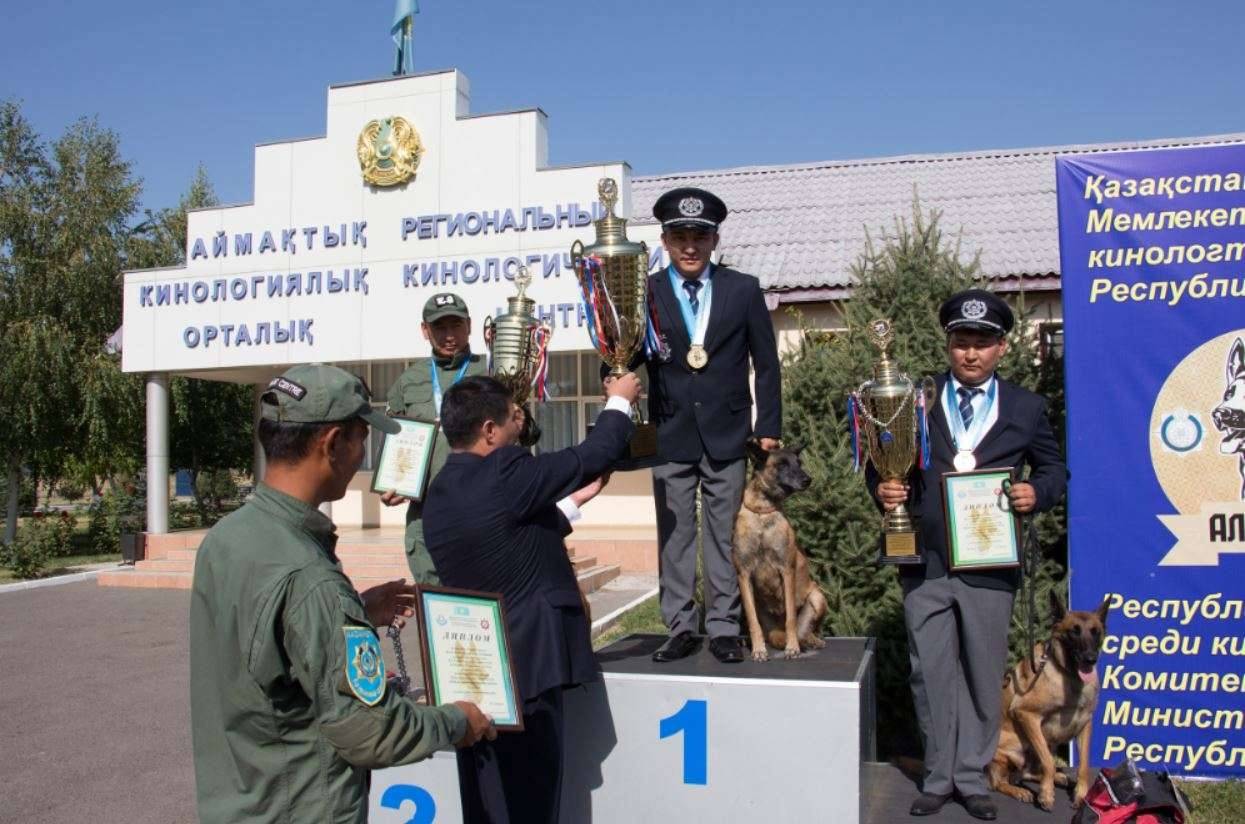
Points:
(403, 681)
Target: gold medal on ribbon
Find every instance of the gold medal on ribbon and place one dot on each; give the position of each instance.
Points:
(697, 357)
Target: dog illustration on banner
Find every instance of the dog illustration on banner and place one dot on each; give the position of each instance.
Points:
(1229, 416)
(1200, 406)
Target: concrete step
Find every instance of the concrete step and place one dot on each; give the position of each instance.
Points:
(582, 562)
(593, 578)
(137, 578)
(166, 565)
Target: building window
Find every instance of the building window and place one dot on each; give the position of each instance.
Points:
(378, 377)
(574, 384)
(1050, 340)
(574, 399)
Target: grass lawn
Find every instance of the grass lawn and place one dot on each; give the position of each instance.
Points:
(644, 618)
(1216, 802)
(61, 566)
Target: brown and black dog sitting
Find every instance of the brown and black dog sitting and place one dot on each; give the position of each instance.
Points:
(780, 600)
(1048, 708)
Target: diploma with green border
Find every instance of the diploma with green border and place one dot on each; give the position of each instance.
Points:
(466, 652)
(982, 530)
(405, 458)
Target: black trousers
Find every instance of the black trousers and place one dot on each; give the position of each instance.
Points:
(517, 778)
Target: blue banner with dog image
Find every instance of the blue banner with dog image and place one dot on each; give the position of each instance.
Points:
(1152, 249)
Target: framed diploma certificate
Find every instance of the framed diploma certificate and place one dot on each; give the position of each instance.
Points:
(982, 530)
(404, 459)
(467, 653)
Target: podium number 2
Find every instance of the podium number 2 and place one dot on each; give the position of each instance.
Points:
(692, 720)
(398, 794)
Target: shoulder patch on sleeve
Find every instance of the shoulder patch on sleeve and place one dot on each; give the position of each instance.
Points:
(365, 665)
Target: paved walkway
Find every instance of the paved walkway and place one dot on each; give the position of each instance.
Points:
(94, 722)
(95, 726)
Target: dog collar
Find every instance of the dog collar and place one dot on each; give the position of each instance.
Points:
(769, 511)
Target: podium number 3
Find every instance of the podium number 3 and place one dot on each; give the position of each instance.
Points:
(398, 794)
(692, 720)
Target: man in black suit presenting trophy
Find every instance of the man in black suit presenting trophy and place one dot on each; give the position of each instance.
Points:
(713, 321)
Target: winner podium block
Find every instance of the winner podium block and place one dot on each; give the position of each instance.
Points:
(691, 740)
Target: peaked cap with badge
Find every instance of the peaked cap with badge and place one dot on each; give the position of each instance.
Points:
(689, 207)
(976, 309)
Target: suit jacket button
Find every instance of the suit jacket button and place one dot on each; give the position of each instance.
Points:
(697, 404)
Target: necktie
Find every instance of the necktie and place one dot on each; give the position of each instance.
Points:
(967, 394)
(693, 288)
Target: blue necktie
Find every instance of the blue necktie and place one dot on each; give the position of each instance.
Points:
(966, 404)
(692, 287)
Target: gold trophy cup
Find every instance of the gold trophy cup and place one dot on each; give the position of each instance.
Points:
(613, 279)
(887, 410)
(517, 343)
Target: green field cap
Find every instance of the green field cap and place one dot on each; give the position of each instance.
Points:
(316, 393)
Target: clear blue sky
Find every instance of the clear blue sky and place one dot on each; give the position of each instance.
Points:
(668, 86)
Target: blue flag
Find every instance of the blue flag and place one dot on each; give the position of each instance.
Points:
(404, 12)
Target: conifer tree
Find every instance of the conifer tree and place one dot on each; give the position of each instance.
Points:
(904, 276)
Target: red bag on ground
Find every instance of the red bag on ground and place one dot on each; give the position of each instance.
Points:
(1127, 795)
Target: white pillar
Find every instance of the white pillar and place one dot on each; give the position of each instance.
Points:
(258, 462)
(158, 453)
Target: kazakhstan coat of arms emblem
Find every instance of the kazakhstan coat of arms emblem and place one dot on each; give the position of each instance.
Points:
(389, 150)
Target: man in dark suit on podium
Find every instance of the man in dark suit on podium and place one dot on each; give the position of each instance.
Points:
(958, 622)
(493, 523)
(715, 323)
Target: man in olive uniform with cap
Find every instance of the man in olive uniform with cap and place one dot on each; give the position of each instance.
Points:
(957, 622)
(289, 704)
(417, 394)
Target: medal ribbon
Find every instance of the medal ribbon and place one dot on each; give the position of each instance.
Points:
(697, 325)
(436, 382)
(853, 425)
(967, 440)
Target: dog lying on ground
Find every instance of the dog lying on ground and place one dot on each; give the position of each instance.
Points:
(1051, 706)
(780, 600)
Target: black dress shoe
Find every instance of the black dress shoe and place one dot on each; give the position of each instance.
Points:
(927, 804)
(727, 649)
(676, 647)
(981, 806)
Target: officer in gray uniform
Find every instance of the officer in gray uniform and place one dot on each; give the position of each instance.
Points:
(417, 394)
(289, 704)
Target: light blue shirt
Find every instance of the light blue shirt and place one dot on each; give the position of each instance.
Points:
(685, 301)
(978, 401)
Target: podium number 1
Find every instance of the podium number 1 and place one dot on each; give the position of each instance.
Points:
(692, 720)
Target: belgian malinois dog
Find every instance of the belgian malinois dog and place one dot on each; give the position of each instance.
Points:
(779, 597)
(1049, 706)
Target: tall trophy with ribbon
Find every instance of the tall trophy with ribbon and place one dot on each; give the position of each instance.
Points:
(518, 346)
(613, 281)
(887, 415)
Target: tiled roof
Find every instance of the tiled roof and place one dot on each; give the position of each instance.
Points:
(800, 227)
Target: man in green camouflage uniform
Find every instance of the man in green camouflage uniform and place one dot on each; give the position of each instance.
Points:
(417, 394)
(289, 704)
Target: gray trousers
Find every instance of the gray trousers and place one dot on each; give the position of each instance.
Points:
(957, 643)
(721, 485)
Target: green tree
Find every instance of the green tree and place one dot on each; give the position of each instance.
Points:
(905, 278)
(64, 209)
(210, 421)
